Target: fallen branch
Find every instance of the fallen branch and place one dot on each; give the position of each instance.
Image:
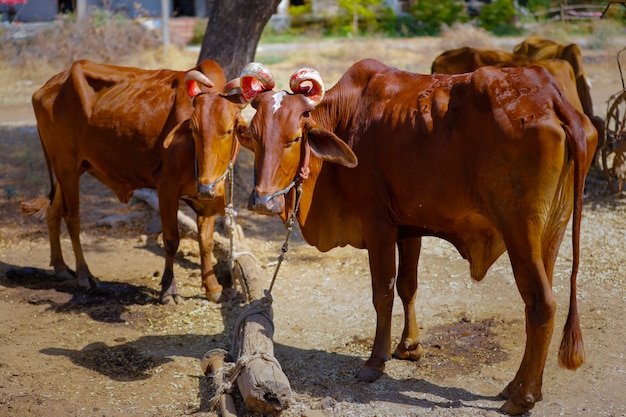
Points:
(187, 225)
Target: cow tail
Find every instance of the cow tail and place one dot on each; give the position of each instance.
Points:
(38, 207)
(572, 350)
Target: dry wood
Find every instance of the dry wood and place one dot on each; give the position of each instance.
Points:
(263, 385)
(212, 363)
(186, 223)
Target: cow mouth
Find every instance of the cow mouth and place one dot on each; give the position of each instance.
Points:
(268, 205)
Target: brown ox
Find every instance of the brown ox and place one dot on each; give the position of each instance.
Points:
(467, 59)
(537, 49)
(492, 160)
(132, 128)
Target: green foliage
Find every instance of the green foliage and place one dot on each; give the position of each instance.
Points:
(198, 31)
(356, 16)
(431, 15)
(498, 17)
(538, 5)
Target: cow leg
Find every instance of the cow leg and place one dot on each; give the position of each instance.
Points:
(70, 196)
(409, 252)
(54, 216)
(382, 260)
(168, 208)
(212, 288)
(535, 288)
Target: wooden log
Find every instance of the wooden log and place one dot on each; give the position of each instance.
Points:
(263, 385)
(212, 363)
(186, 224)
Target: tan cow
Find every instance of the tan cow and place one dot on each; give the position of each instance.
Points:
(468, 59)
(537, 49)
(492, 160)
(130, 128)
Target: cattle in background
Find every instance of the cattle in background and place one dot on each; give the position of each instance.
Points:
(492, 160)
(130, 128)
(467, 59)
(537, 49)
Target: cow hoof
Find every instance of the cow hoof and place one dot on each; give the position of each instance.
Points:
(215, 295)
(368, 375)
(94, 283)
(171, 299)
(514, 409)
(405, 352)
(65, 275)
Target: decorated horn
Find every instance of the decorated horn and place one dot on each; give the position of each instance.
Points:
(255, 78)
(309, 82)
(192, 78)
(232, 91)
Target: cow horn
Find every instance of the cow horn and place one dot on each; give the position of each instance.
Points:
(255, 78)
(232, 92)
(313, 91)
(192, 78)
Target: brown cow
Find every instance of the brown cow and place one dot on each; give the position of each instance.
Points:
(537, 49)
(467, 59)
(131, 128)
(492, 160)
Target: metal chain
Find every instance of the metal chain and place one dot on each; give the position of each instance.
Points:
(289, 226)
(231, 214)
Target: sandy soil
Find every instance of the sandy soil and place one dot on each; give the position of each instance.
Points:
(119, 352)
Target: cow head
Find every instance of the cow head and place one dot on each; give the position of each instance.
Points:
(213, 126)
(284, 137)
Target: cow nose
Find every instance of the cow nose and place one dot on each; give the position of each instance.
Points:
(206, 192)
(268, 204)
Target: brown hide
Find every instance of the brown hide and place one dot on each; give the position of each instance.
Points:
(492, 160)
(466, 59)
(537, 49)
(112, 122)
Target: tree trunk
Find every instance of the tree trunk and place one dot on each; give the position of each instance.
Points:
(233, 32)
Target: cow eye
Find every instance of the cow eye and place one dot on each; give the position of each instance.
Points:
(296, 140)
(306, 114)
(230, 132)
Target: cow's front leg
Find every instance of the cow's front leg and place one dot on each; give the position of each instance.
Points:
(171, 239)
(212, 288)
(382, 260)
(409, 251)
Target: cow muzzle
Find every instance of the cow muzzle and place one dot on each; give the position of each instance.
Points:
(269, 204)
(207, 192)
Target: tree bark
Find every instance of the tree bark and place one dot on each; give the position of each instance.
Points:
(233, 32)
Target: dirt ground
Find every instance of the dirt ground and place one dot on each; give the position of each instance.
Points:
(119, 352)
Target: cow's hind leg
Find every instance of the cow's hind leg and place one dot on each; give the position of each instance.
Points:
(409, 252)
(55, 214)
(535, 286)
(67, 203)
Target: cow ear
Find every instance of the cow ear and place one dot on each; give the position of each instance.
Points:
(244, 136)
(327, 146)
(180, 130)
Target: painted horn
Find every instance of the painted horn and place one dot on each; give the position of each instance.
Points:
(309, 82)
(254, 79)
(192, 78)
(232, 91)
